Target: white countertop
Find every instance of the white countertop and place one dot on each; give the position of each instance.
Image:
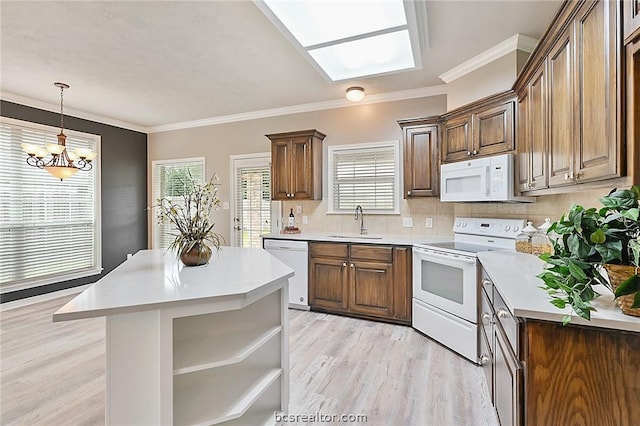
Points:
(152, 279)
(336, 237)
(514, 276)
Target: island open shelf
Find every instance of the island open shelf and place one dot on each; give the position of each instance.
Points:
(193, 346)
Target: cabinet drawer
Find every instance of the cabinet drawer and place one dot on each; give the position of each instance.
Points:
(505, 320)
(338, 250)
(371, 253)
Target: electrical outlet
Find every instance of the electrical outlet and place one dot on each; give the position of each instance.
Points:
(305, 220)
(407, 222)
(225, 205)
(298, 209)
(428, 222)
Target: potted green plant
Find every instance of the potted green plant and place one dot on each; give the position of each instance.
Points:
(189, 213)
(591, 240)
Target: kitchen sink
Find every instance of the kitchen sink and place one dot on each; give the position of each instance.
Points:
(355, 237)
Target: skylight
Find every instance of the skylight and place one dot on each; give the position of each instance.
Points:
(349, 39)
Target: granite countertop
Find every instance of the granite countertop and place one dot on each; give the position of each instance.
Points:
(154, 279)
(336, 237)
(514, 276)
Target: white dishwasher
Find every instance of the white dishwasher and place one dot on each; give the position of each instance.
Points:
(294, 254)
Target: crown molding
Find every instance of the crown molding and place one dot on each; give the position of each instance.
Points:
(22, 100)
(515, 42)
(422, 92)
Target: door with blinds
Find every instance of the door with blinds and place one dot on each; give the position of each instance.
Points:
(251, 214)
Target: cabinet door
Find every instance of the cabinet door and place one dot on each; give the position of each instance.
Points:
(493, 130)
(456, 144)
(631, 17)
(560, 103)
(402, 283)
(421, 161)
(633, 111)
(371, 291)
(328, 287)
(280, 169)
(538, 130)
(523, 142)
(301, 168)
(597, 145)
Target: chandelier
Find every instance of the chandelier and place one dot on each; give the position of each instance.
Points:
(63, 163)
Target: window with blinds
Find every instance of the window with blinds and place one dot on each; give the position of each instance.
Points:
(49, 229)
(252, 214)
(170, 180)
(365, 175)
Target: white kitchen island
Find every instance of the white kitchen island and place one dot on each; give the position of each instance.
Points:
(192, 345)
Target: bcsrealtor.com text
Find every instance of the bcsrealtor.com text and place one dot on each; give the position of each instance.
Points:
(319, 417)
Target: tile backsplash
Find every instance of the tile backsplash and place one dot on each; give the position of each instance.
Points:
(441, 214)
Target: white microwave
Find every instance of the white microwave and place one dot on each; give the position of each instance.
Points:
(480, 179)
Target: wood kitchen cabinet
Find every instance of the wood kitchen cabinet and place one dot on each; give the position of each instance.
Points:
(296, 165)
(421, 157)
(631, 18)
(362, 280)
(485, 127)
(576, 121)
(633, 109)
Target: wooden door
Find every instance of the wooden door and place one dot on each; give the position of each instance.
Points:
(328, 283)
(596, 154)
(538, 140)
(301, 168)
(280, 169)
(456, 144)
(560, 104)
(421, 161)
(371, 288)
(493, 130)
(523, 166)
(402, 284)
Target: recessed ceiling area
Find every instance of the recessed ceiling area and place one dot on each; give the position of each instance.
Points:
(350, 39)
(149, 64)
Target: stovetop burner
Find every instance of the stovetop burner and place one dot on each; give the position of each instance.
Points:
(463, 247)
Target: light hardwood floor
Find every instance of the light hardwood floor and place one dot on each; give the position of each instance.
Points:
(53, 373)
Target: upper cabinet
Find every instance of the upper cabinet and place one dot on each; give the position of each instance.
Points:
(569, 112)
(485, 127)
(421, 157)
(296, 165)
(631, 18)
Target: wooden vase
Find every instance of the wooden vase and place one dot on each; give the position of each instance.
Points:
(199, 254)
(617, 275)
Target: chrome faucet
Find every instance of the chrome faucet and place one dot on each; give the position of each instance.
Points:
(363, 230)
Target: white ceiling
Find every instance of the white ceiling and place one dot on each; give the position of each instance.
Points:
(146, 64)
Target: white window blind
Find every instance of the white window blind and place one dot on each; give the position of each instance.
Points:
(366, 175)
(170, 178)
(49, 229)
(253, 204)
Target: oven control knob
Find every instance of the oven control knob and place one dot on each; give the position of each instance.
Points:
(464, 224)
(507, 228)
(458, 224)
(515, 228)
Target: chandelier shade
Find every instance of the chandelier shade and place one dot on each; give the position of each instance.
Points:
(62, 162)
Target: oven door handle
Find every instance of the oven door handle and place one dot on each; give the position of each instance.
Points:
(451, 257)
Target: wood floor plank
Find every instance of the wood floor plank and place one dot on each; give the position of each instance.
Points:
(54, 373)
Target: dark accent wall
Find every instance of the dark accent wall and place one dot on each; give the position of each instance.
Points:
(123, 160)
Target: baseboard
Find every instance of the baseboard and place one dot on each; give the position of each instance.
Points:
(42, 297)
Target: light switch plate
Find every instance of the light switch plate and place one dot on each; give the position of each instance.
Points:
(225, 205)
(428, 222)
(407, 222)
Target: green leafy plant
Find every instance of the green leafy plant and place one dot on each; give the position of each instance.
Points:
(588, 239)
(189, 212)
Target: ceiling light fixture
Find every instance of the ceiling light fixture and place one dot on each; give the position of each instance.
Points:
(355, 94)
(63, 163)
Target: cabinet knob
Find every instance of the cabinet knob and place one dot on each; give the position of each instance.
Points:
(486, 318)
(486, 282)
(475, 152)
(408, 192)
(344, 264)
(502, 313)
(468, 153)
(484, 359)
(566, 176)
(352, 265)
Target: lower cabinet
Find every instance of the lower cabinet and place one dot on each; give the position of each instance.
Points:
(543, 373)
(362, 280)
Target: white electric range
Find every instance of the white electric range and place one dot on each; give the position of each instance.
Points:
(446, 281)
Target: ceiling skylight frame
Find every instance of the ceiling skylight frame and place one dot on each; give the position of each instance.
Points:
(415, 15)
